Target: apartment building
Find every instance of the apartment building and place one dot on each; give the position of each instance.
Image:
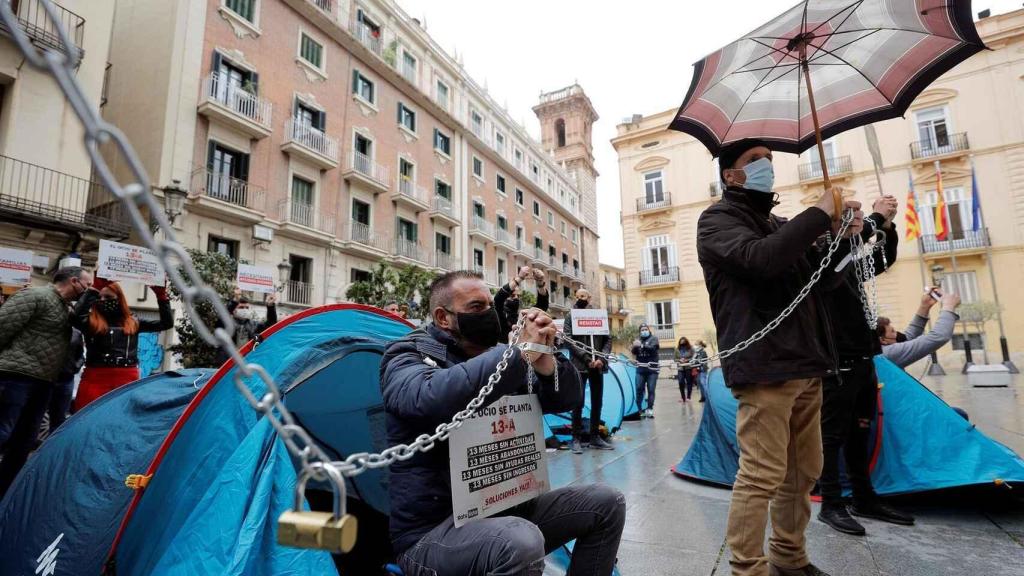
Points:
(322, 136)
(612, 295)
(971, 115)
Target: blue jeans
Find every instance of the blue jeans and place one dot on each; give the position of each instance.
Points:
(646, 380)
(23, 403)
(516, 542)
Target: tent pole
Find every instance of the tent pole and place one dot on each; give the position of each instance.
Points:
(837, 198)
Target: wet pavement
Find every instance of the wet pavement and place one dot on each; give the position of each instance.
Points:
(677, 527)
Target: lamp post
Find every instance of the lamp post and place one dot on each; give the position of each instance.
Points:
(284, 270)
(174, 200)
(934, 368)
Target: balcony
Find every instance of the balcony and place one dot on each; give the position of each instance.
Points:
(654, 203)
(538, 257)
(490, 277)
(446, 262)
(482, 228)
(659, 276)
(216, 194)
(40, 30)
(559, 303)
(231, 104)
(304, 221)
(368, 37)
(408, 252)
(297, 292)
(45, 198)
(522, 247)
(664, 333)
(410, 195)
(503, 238)
(968, 240)
(619, 286)
(360, 239)
(444, 211)
(715, 189)
(374, 177)
(949, 145)
(324, 5)
(310, 144)
(837, 166)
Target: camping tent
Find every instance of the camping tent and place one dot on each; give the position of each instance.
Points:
(618, 397)
(919, 442)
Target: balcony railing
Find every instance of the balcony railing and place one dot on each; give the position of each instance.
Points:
(365, 235)
(42, 31)
(409, 249)
(836, 165)
(503, 236)
(538, 254)
(659, 276)
(40, 195)
(312, 138)
(664, 333)
(446, 261)
(218, 88)
(967, 240)
(299, 292)
(367, 37)
(482, 226)
(653, 202)
(490, 276)
(939, 146)
(445, 206)
(612, 285)
(325, 5)
(296, 212)
(223, 187)
(409, 189)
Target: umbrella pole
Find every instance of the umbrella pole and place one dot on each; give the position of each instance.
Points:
(837, 198)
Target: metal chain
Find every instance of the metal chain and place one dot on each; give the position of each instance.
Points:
(863, 256)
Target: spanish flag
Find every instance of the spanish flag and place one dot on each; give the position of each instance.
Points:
(941, 223)
(913, 224)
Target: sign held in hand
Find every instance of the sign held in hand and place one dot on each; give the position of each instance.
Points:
(589, 322)
(255, 279)
(15, 267)
(127, 263)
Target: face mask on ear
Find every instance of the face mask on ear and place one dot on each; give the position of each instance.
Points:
(760, 175)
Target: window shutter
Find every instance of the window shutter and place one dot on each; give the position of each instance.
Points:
(651, 318)
(210, 145)
(243, 167)
(355, 81)
(672, 255)
(416, 232)
(322, 121)
(645, 253)
(215, 65)
(675, 311)
(254, 79)
(399, 112)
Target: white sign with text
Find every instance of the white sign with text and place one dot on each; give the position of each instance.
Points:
(128, 263)
(255, 279)
(15, 267)
(497, 458)
(588, 322)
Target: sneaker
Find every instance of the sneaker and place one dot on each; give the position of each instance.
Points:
(598, 443)
(838, 518)
(650, 412)
(878, 510)
(809, 570)
(577, 447)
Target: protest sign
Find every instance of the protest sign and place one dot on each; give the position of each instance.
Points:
(588, 322)
(15, 267)
(255, 279)
(127, 263)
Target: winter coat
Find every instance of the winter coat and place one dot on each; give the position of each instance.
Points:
(684, 355)
(114, 348)
(75, 358)
(581, 360)
(35, 331)
(755, 264)
(246, 330)
(647, 351)
(508, 309)
(919, 344)
(701, 355)
(425, 379)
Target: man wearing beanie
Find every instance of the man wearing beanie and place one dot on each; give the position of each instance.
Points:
(755, 264)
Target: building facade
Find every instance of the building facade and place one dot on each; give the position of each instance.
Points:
(320, 137)
(968, 117)
(612, 295)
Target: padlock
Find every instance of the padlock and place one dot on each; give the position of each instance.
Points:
(333, 531)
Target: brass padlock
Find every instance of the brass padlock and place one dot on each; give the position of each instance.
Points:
(333, 531)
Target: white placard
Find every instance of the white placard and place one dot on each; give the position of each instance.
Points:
(497, 458)
(589, 322)
(15, 267)
(127, 263)
(255, 279)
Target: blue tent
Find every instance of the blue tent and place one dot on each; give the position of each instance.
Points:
(920, 443)
(619, 395)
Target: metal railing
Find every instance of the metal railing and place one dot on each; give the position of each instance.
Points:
(307, 215)
(577, 273)
(223, 187)
(367, 37)
(482, 226)
(836, 165)
(33, 193)
(653, 202)
(538, 254)
(521, 246)
(311, 138)
(365, 235)
(659, 275)
(40, 29)
(299, 292)
(325, 5)
(609, 284)
(219, 88)
(490, 276)
(446, 261)
(409, 189)
(444, 206)
(940, 146)
(501, 235)
(664, 333)
(406, 248)
(968, 240)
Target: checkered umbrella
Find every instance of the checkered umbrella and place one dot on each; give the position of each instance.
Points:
(866, 59)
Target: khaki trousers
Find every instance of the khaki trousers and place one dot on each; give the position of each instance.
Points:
(778, 427)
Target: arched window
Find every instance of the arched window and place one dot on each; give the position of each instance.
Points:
(560, 132)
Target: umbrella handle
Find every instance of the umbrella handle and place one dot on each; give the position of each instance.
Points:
(837, 197)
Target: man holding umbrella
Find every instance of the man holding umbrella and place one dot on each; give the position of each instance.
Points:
(755, 264)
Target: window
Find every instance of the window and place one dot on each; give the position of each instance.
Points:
(232, 84)
(574, 233)
(406, 173)
(479, 210)
(302, 211)
(499, 142)
(550, 185)
(534, 171)
(302, 268)
(478, 167)
(443, 189)
(561, 195)
(311, 51)
(502, 222)
(563, 228)
(501, 271)
(442, 143)
(407, 230)
(222, 246)
(363, 148)
(227, 172)
(520, 234)
(932, 129)
(408, 66)
(653, 187)
(659, 255)
(565, 260)
(244, 8)
(553, 287)
(552, 252)
(476, 123)
(478, 258)
(357, 275)
(575, 264)
(662, 315)
(963, 283)
(560, 133)
(960, 214)
(551, 219)
(360, 212)
(572, 203)
(538, 244)
(519, 158)
(309, 117)
(442, 243)
(406, 117)
(500, 183)
(442, 94)
(363, 87)
(536, 209)
(565, 292)
(519, 196)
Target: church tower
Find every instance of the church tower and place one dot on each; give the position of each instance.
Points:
(566, 119)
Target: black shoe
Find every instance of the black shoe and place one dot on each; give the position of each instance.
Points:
(838, 518)
(598, 443)
(577, 447)
(878, 510)
(809, 570)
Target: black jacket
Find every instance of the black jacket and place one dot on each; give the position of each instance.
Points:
(508, 309)
(425, 379)
(854, 339)
(647, 351)
(115, 348)
(581, 360)
(75, 358)
(246, 330)
(754, 265)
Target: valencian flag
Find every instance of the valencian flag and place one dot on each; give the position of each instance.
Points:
(913, 224)
(941, 222)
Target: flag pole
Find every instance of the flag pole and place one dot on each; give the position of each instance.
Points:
(1003, 345)
(968, 360)
(934, 367)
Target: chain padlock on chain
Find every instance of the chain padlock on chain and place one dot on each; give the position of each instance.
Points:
(333, 531)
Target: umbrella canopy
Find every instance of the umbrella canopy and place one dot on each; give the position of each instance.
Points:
(866, 59)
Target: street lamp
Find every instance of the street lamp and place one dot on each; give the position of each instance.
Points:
(935, 369)
(284, 270)
(174, 200)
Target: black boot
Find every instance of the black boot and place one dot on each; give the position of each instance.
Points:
(809, 570)
(878, 510)
(838, 518)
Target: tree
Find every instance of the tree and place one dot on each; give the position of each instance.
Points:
(627, 334)
(387, 283)
(218, 272)
(977, 314)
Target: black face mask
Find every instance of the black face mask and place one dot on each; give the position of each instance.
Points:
(581, 304)
(109, 308)
(481, 329)
(901, 337)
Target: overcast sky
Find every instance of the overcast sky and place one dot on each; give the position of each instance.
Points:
(632, 57)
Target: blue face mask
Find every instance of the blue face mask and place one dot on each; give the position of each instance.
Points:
(644, 333)
(760, 176)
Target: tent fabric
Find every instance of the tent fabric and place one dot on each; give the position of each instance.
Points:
(618, 396)
(921, 443)
(627, 379)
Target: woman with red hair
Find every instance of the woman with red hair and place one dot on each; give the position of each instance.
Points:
(112, 337)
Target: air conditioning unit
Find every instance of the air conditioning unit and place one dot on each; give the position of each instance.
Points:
(262, 233)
